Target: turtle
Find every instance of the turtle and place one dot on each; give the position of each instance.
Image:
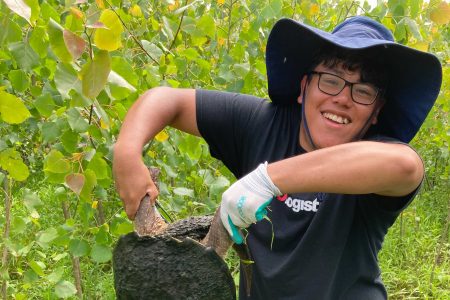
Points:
(181, 260)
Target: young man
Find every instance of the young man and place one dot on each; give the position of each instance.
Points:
(326, 160)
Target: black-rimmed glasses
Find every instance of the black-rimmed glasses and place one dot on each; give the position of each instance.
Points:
(362, 93)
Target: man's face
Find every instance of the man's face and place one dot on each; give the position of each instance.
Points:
(333, 120)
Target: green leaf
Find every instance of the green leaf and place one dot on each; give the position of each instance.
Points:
(45, 105)
(46, 237)
(31, 201)
(181, 191)
(24, 55)
(122, 67)
(37, 267)
(99, 166)
(124, 228)
(101, 253)
(50, 132)
(18, 225)
(47, 12)
(76, 121)
(11, 161)
(12, 109)
(11, 31)
(39, 41)
(20, 8)
(69, 140)
(154, 51)
(95, 74)
(56, 39)
(66, 79)
(206, 24)
(272, 10)
(89, 184)
(119, 81)
(55, 162)
(65, 289)
(19, 80)
(56, 275)
(78, 247)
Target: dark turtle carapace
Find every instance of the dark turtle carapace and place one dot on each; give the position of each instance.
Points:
(182, 260)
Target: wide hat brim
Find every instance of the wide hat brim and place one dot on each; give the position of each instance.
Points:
(415, 76)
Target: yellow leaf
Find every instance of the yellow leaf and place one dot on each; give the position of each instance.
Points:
(103, 124)
(77, 156)
(441, 14)
(94, 204)
(100, 4)
(174, 6)
(422, 46)
(314, 9)
(162, 136)
(221, 41)
(151, 153)
(76, 12)
(136, 11)
(220, 2)
(109, 38)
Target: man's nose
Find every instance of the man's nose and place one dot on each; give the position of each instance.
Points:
(345, 96)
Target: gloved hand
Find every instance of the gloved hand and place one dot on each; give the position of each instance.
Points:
(245, 201)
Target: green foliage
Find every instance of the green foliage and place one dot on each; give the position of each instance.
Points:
(70, 70)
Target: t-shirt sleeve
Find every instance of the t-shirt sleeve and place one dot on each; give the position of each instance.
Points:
(223, 119)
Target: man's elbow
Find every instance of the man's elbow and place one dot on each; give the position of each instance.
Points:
(410, 171)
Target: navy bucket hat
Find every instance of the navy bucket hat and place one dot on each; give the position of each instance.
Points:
(415, 76)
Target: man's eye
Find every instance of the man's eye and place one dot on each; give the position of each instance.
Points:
(364, 91)
(331, 81)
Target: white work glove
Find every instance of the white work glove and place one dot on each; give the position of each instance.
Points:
(245, 201)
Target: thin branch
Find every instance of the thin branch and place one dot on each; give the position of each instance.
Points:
(6, 232)
(132, 35)
(179, 26)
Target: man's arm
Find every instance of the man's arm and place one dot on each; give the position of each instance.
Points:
(152, 112)
(355, 168)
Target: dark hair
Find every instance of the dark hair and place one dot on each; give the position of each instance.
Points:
(369, 62)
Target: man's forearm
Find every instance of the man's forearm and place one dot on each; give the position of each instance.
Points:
(353, 168)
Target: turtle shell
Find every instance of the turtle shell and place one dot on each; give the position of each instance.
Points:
(171, 265)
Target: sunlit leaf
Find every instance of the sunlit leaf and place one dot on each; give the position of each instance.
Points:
(89, 183)
(66, 79)
(75, 182)
(74, 44)
(441, 14)
(181, 191)
(11, 161)
(20, 8)
(37, 267)
(95, 74)
(76, 12)
(12, 109)
(118, 80)
(135, 11)
(162, 136)
(109, 39)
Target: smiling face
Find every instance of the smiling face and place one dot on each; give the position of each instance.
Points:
(334, 120)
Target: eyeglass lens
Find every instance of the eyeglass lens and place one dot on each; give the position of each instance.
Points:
(361, 92)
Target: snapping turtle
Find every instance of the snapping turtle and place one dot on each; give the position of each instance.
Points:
(182, 260)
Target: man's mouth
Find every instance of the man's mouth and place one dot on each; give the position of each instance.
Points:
(336, 118)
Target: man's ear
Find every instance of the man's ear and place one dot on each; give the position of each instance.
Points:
(303, 84)
(378, 108)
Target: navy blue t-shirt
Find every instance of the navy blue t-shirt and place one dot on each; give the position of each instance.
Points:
(318, 245)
